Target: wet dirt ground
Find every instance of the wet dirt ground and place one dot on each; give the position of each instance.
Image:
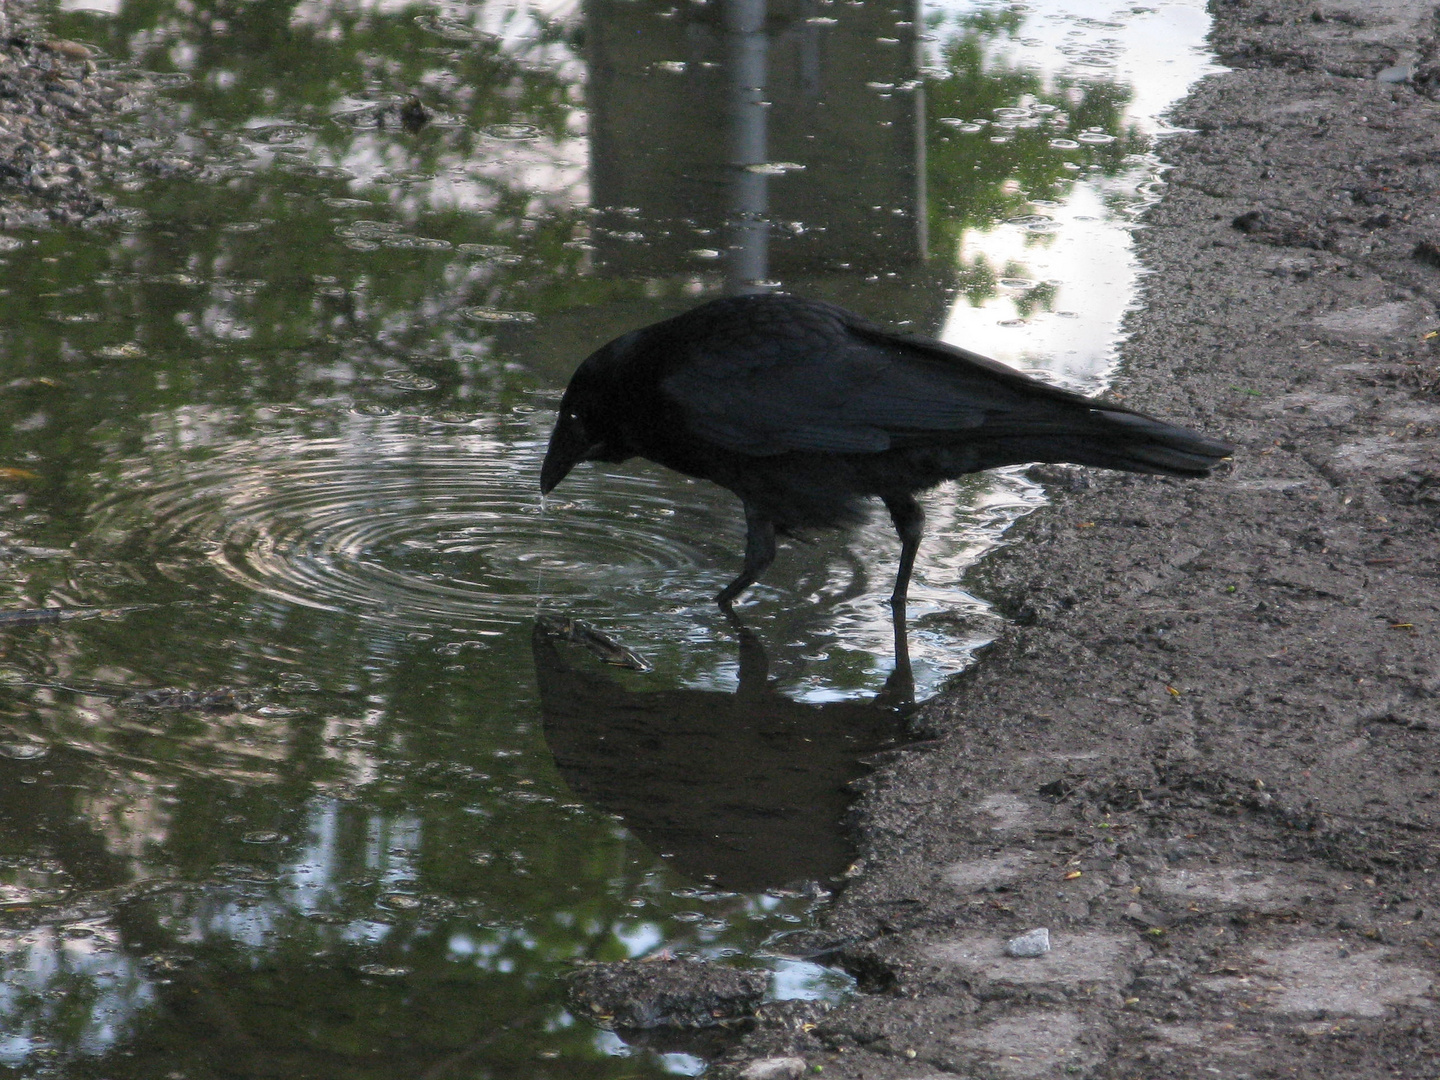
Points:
(1206, 755)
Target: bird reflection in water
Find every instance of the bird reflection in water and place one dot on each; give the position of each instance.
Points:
(747, 790)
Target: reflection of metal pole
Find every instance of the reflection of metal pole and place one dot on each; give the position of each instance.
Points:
(749, 225)
(922, 193)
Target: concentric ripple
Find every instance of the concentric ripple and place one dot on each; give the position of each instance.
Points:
(413, 522)
(420, 523)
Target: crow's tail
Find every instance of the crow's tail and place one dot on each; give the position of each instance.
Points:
(1134, 442)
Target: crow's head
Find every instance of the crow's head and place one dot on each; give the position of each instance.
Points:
(589, 427)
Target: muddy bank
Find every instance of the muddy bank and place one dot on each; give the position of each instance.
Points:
(1206, 756)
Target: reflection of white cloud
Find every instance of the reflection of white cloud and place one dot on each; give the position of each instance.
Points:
(95, 7)
(1157, 53)
(1090, 256)
(34, 965)
(638, 938)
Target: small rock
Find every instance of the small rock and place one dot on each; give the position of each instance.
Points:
(72, 50)
(776, 1068)
(1030, 943)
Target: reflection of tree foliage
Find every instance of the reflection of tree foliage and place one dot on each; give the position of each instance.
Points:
(310, 56)
(198, 310)
(975, 277)
(448, 889)
(1040, 298)
(974, 182)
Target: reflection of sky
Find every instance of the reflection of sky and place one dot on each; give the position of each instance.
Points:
(796, 980)
(682, 1064)
(1090, 255)
(639, 938)
(1156, 54)
(35, 963)
(555, 172)
(517, 26)
(1156, 50)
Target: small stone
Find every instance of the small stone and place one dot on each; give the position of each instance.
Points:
(73, 50)
(776, 1068)
(1029, 944)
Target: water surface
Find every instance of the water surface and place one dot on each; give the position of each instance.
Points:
(299, 790)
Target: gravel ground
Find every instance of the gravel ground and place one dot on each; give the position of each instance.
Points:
(61, 126)
(1206, 755)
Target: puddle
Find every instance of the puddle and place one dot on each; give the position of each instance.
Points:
(297, 784)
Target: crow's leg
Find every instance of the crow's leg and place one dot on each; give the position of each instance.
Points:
(759, 554)
(909, 522)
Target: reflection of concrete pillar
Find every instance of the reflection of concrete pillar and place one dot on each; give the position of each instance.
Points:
(844, 101)
(748, 227)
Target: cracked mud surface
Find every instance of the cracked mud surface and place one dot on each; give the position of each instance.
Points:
(1207, 755)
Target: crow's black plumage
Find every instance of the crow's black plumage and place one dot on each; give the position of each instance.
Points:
(805, 410)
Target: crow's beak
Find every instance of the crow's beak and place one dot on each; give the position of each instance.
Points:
(570, 444)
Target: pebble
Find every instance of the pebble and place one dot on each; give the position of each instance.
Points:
(1031, 943)
(50, 155)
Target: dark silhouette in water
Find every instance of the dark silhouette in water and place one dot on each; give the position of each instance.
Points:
(747, 790)
(805, 410)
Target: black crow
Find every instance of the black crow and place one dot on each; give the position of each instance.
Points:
(804, 409)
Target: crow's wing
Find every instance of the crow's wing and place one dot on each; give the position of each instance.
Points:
(861, 390)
